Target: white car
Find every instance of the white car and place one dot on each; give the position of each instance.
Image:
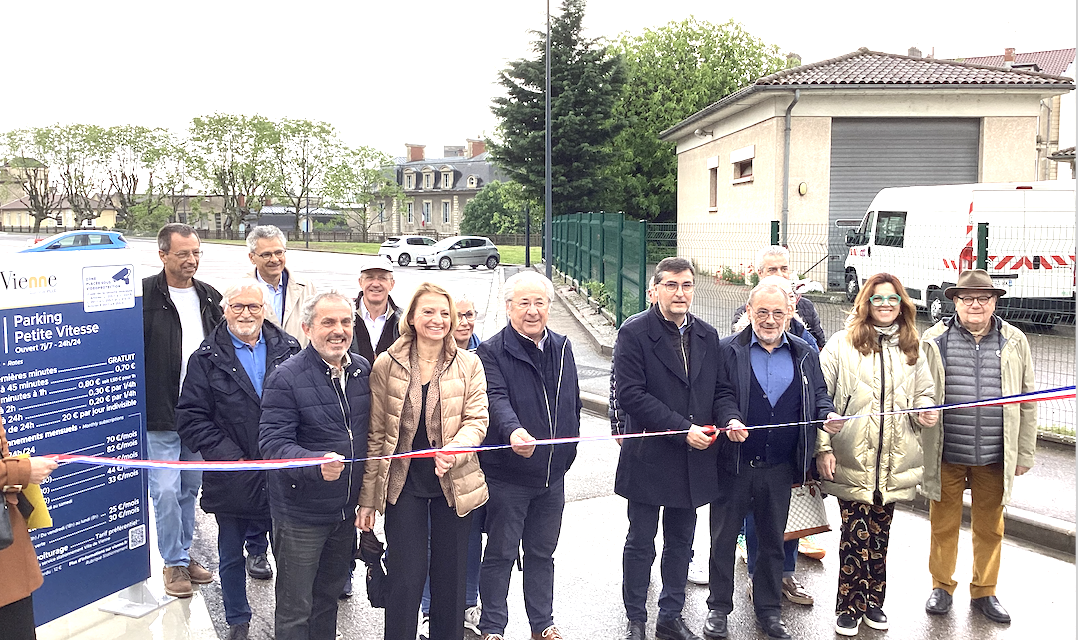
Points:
(401, 249)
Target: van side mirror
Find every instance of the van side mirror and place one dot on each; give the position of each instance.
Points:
(851, 238)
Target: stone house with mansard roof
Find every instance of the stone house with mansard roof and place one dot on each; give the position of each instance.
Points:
(811, 145)
(435, 189)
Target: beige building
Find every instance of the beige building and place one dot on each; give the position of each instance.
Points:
(811, 145)
(18, 214)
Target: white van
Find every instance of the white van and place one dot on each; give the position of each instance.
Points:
(925, 236)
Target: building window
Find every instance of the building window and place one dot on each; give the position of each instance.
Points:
(411, 213)
(428, 180)
(445, 212)
(409, 180)
(713, 189)
(426, 212)
(473, 182)
(447, 180)
(741, 160)
(381, 212)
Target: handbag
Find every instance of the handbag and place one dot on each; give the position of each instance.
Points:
(807, 513)
(7, 536)
(371, 552)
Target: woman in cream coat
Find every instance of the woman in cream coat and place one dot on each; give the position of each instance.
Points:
(872, 367)
(426, 394)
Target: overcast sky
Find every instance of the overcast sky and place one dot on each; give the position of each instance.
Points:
(387, 73)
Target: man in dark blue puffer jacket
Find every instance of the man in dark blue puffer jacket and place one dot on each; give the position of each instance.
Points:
(316, 404)
(533, 394)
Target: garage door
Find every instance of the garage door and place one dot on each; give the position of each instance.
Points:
(869, 154)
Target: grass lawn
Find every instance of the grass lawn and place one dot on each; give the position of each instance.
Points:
(510, 255)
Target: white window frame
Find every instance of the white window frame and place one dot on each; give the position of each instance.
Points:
(741, 160)
(427, 208)
(447, 211)
(411, 212)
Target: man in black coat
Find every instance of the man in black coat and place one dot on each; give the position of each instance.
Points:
(533, 393)
(217, 416)
(317, 403)
(178, 312)
(771, 378)
(667, 379)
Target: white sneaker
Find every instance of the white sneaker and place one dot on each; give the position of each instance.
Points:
(698, 573)
(424, 627)
(471, 618)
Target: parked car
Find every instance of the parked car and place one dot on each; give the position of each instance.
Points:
(470, 250)
(401, 249)
(72, 240)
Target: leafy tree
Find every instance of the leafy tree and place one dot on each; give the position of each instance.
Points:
(499, 209)
(234, 155)
(585, 80)
(356, 179)
(80, 157)
(28, 151)
(673, 72)
(303, 152)
(151, 158)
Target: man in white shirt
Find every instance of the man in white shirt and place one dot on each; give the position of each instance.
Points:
(377, 316)
(178, 312)
(285, 292)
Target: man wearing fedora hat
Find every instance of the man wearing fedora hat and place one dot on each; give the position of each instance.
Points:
(975, 356)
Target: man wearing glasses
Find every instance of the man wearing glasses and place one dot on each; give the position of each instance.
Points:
(217, 416)
(770, 378)
(178, 312)
(285, 293)
(666, 380)
(975, 356)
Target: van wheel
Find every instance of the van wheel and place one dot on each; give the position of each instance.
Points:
(404, 259)
(937, 306)
(852, 288)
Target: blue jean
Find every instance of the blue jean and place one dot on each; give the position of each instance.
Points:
(679, 526)
(256, 539)
(518, 514)
(231, 534)
(313, 562)
(789, 550)
(174, 494)
(475, 559)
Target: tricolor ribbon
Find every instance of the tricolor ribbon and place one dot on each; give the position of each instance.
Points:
(1060, 393)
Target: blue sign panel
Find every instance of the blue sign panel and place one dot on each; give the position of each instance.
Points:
(72, 382)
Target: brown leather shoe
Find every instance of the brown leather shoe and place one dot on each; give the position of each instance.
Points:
(177, 582)
(199, 574)
(550, 633)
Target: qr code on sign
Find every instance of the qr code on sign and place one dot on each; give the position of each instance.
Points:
(136, 536)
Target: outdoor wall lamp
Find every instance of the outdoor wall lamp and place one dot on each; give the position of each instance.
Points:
(701, 133)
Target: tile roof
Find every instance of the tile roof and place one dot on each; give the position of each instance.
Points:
(1063, 154)
(873, 69)
(1053, 62)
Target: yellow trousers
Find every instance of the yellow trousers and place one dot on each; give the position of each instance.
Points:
(986, 520)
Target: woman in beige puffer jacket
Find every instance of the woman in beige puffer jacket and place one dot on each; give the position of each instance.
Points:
(873, 367)
(425, 394)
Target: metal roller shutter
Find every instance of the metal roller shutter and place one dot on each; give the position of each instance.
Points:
(869, 154)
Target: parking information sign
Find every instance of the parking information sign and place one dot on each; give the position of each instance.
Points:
(72, 382)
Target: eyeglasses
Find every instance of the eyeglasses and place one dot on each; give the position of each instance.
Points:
(467, 315)
(969, 300)
(266, 255)
(524, 304)
(891, 300)
(252, 308)
(672, 287)
(762, 315)
(183, 255)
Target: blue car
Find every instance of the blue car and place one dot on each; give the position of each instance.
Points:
(73, 240)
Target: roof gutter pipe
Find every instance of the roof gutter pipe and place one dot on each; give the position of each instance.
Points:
(784, 237)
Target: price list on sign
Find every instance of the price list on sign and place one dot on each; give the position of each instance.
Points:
(71, 382)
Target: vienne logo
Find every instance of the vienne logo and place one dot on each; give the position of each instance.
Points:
(12, 281)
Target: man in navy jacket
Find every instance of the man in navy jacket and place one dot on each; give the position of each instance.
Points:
(533, 394)
(217, 416)
(316, 404)
(771, 378)
(667, 380)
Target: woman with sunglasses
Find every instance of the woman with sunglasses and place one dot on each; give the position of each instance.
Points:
(874, 367)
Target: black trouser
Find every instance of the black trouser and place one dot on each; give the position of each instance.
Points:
(407, 534)
(17, 620)
(312, 567)
(765, 491)
(679, 526)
